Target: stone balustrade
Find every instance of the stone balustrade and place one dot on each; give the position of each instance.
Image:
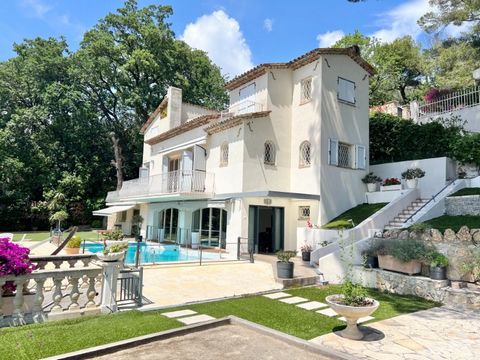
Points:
(53, 291)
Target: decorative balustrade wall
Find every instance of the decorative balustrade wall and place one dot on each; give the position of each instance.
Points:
(60, 287)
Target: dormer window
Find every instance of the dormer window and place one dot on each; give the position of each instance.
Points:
(306, 90)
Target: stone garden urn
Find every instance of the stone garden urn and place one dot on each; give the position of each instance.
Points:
(351, 314)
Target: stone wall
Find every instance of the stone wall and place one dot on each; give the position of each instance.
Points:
(424, 287)
(457, 247)
(462, 205)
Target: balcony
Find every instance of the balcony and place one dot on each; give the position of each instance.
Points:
(185, 183)
(242, 107)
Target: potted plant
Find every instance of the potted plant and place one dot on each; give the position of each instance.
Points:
(371, 180)
(370, 254)
(411, 177)
(352, 302)
(306, 250)
(114, 252)
(402, 256)
(73, 245)
(111, 237)
(391, 184)
(284, 265)
(438, 265)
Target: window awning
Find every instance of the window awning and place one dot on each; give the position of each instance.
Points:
(112, 210)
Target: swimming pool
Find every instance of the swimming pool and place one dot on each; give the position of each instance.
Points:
(156, 253)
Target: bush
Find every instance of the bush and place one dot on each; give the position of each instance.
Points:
(413, 173)
(97, 224)
(466, 149)
(370, 178)
(13, 261)
(420, 227)
(74, 242)
(404, 250)
(436, 259)
(115, 248)
(116, 234)
(285, 255)
(472, 265)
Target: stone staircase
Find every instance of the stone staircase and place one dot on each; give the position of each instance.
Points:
(398, 221)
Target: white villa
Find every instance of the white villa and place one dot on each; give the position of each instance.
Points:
(292, 146)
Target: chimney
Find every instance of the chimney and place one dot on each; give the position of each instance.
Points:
(174, 107)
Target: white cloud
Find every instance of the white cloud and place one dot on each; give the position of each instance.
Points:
(268, 24)
(36, 8)
(220, 36)
(329, 38)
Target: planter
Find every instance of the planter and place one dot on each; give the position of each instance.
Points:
(351, 314)
(110, 257)
(388, 262)
(113, 242)
(391, 187)
(438, 273)
(411, 183)
(372, 187)
(306, 255)
(71, 251)
(285, 270)
(371, 262)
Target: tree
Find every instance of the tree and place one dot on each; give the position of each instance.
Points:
(125, 65)
(454, 12)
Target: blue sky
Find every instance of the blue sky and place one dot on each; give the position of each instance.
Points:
(237, 34)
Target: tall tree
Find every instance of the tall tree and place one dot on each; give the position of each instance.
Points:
(125, 65)
(456, 12)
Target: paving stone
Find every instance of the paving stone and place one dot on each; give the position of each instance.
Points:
(293, 300)
(327, 312)
(359, 321)
(312, 305)
(195, 319)
(179, 313)
(277, 295)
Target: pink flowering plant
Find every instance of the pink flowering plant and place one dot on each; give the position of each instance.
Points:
(14, 260)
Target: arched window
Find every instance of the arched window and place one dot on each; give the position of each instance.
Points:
(211, 224)
(269, 153)
(305, 154)
(224, 154)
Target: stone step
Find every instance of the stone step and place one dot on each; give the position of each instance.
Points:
(396, 223)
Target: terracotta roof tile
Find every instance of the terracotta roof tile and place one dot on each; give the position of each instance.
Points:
(233, 121)
(189, 125)
(298, 62)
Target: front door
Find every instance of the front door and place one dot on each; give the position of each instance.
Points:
(266, 228)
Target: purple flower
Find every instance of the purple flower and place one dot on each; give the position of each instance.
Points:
(14, 260)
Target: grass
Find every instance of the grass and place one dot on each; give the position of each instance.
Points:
(356, 214)
(467, 192)
(42, 235)
(41, 340)
(454, 222)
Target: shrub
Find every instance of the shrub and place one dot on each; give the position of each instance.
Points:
(404, 250)
(97, 224)
(370, 178)
(74, 242)
(436, 259)
(14, 261)
(466, 149)
(116, 234)
(413, 173)
(285, 255)
(420, 227)
(374, 247)
(115, 248)
(472, 265)
(306, 247)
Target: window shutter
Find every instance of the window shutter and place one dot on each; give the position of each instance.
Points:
(333, 152)
(361, 157)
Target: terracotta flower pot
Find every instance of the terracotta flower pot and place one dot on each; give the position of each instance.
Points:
(71, 251)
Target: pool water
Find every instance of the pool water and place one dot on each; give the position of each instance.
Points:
(155, 253)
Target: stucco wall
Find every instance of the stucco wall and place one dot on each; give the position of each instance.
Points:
(342, 189)
(462, 205)
(437, 172)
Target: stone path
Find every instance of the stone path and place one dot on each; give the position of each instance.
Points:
(188, 317)
(434, 334)
(307, 304)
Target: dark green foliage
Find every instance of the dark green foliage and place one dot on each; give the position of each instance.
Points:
(467, 149)
(404, 250)
(395, 139)
(454, 222)
(467, 192)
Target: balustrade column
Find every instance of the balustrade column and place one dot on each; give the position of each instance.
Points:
(18, 316)
(38, 315)
(57, 295)
(74, 294)
(91, 292)
(109, 286)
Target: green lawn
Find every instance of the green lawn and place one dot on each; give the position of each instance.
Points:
(41, 340)
(454, 222)
(357, 214)
(467, 191)
(42, 235)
